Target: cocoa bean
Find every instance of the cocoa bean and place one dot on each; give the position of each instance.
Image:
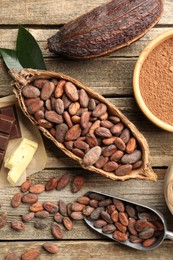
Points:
(101, 162)
(69, 145)
(109, 140)
(146, 233)
(114, 119)
(61, 130)
(110, 166)
(109, 150)
(42, 214)
(119, 205)
(131, 158)
(77, 206)
(40, 224)
(73, 133)
(73, 108)
(99, 223)
(108, 229)
(86, 130)
(121, 227)
(68, 224)
(56, 231)
(28, 217)
(93, 203)
(117, 155)
(103, 132)
(92, 156)
(137, 165)
(123, 170)
(91, 140)
(117, 129)
(94, 126)
(63, 181)
(81, 145)
(71, 91)
(131, 145)
(78, 152)
(99, 110)
(123, 218)
(35, 106)
(120, 144)
(51, 184)
(95, 215)
(69, 211)
(47, 90)
(36, 207)
(77, 183)
(30, 91)
(39, 83)
(66, 101)
(59, 88)
(81, 111)
(120, 236)
(110, 209)
(114, 216)
(87, 210)
(50, 248)
(31, 254)
(96, 196)
(77, 215)
(39, 115)
(83, 98)
(29, 198)
(53, 117)
(142, 224)
(105, 202)
(149, 242)
(149, 216)
(91, 104)
(131, 227)
(85, 117)
(37, 189)
(62, 208)
(130, 210)
(58, 217)
(29, 101)
(106, 123)
(135, 239)
(51, 207)
(105, 216)
(16, 200)
(125, 135)
(48, 104)
(75, 119)
(17, 225)
(59, 106)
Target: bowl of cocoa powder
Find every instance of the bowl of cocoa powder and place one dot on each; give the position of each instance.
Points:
(153, 81)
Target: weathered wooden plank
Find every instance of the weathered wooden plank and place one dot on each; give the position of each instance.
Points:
(83, 250)
(54, 13)
(146, 192)
(8, 40)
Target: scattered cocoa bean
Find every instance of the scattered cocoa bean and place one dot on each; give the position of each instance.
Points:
(29, 198)
(17, 225)
(51, 207)
(16, 200)
(37, 189)
(40, 224)
(31, 254)
(56, 231)
(63, 181)
(26, 185)
(50, 247)
(77, 183)
(42, 214)
(28, 217)
(12, 256)
(51, 184)
(67, 223)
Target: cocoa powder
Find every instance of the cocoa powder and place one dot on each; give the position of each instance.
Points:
(156, 81)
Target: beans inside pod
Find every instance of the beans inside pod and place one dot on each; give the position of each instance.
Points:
(83, 124)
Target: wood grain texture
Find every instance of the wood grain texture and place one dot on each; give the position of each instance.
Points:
(71, 250)
(53, 13)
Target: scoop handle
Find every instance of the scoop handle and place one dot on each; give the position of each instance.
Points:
(169, 235)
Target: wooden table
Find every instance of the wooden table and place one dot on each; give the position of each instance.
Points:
(110, 76)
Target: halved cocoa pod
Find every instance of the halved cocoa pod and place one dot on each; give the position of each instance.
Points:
(26, 77)
(106, 28)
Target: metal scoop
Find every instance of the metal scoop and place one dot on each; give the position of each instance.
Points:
(165, 234)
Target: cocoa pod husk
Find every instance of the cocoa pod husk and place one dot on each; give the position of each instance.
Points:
(118, 24)
(25, 77)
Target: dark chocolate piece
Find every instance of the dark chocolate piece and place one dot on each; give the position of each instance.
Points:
(11, 111)
(6, 124)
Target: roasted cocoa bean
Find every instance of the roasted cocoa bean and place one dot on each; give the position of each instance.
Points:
(131, 158)
(110, 208)
(16, 200)
(83, 98)
(77, 183)
(73, 133)
(94, 126)
(87, 210)
(48, 104)
(114, 216)
(39, 115)
(77, 215)
(73, 108)
(95, 215)
(120, 144)
(105, 216)
(28, 217)
(105, 202)
(131, 145)
(30, 91)
(149, 242)
(84, 121)
(109, 141)
(108, 229)
(51, 207)
(59, 106)
(66, 101)
(131, 226)
(149, 216)
(110, 166)
(121, 227)
(99, 110)
(51, 184)
(99, 223)
(125, 135)
(123, 170)
(135, 239)
(106, 123)
(47, 90)
(109, 150)
(39, 83)
(56, 231)
(71, 91)
(63, 181)
(35, 106)
(137, 165)
(68, 224)
(91, 104)
(117, 155)
(31, 254)
(101, 162)
(117, 129)
(81, 145)
(50, 247)
(78, 152)
(17, 225)
(103, 132)
(146, 233)
(61, 130)
(119, 205)
(37, 189)
(29, 198)
(59, 88)
(94, 203)
(67, 119)
(130, 211)
(77, 206)
(120, 236)
(91, 140)
(53, 117)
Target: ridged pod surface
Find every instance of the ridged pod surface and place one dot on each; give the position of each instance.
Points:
(106, 28)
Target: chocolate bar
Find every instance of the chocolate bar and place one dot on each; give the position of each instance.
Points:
(11, 111)
(6, 125)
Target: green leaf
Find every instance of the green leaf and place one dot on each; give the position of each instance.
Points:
(11, 60)
(28, 51)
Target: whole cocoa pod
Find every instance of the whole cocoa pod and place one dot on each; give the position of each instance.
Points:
(106, 28)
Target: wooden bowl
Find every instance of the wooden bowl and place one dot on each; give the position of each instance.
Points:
(136, 77)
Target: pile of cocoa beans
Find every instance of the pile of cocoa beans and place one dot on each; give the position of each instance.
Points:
(83, 124)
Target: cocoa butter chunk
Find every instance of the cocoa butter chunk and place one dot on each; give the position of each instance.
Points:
(118, 24)
(92, 156)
